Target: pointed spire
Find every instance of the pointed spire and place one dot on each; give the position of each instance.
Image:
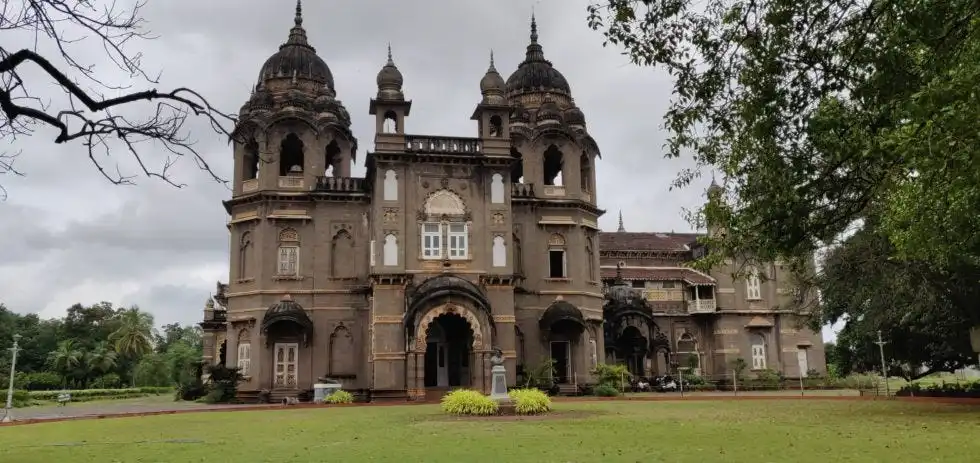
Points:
(534, 27)
(297, 35)
(621, 227)
(492, 68)
(391, 62)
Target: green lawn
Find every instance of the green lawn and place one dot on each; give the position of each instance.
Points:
(754, 431)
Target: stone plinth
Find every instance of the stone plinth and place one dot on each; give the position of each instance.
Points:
(498, 384)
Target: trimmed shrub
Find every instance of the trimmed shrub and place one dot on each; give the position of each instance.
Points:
(38, 381)
(606, 390)
(468, 402)
(530, 401)
(340, 397)
(22, 399)
(615, 376)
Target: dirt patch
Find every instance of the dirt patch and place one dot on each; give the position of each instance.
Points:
(553, 415)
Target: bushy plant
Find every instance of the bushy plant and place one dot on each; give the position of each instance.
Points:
(222, 384)
(22, 399)
(468, 402)
(530, 401)
(606, 390)
(38, 381)
(615, 376)
(340, 397)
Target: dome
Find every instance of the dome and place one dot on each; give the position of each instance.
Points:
(536, 73)
(548, 111)
(390, 81)
(492, 81)
(288, 311)
(574, 116)
(296, 58)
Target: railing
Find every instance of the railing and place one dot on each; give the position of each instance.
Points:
(291, 182)
(522, 190)
(449, 145)
(702, 306)
(250, 185)
(554, 190)
(340, 184)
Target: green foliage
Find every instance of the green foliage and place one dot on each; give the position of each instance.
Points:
(969, 389)
(540, 375)
(22, 399)
(820, 113)
(606, 390)
(615, 376)
(107, 381)
(768, 376)
(691, 379)
(530, 401)
(468, 402)
(38, 381)
(340, 397)
(739, 366)
(85, 395)
(222, 384)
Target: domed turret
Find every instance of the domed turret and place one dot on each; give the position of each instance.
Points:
(574, 116)
(296, 59)
(492, 86)
(390, 81)
(549, 111)
(535, 73)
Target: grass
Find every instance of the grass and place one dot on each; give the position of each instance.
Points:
(677, 431)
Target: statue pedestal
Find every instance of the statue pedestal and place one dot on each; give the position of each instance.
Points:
(498, 384)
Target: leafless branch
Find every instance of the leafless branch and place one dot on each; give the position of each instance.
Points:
(89, 117)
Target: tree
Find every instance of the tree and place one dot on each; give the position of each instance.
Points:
(66, 359)
(924, 317)
(103, 125)
(134, 337)
(818, 111)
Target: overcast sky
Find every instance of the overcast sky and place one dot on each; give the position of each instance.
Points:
(70, 236)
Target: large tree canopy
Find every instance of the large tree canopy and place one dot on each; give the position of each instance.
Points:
(818, 111)
(56, 34)
(922, 312)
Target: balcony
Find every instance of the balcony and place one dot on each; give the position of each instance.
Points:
(522, 190)
(250, 185)
(291, 182)
(554, 190)
(442, 145)
(340, 184)
(702, 306)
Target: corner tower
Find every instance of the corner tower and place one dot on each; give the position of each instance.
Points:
(292, 129)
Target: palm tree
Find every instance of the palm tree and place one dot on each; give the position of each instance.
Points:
(65, 359)
(100, 360)
(134, 338)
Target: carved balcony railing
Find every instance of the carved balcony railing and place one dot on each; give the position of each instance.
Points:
(292, 182)
(554, 190)
(442, 145)
(340, 184)
(522, 190)
(702, 306)
(250, 185)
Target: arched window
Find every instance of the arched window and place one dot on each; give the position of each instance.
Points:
(686, 343)
(291, 156)
(331, 160)
(496, 127)
(758, 352)
(497, 189)
(590, 256)
(390, 250)
(342, 255)
(753, 285)
(342, 353)
(244, 250)
(554, 163)
(445, 230)
(391, 186)
(518, 255)
(244, 352)
(288, 259)
(390, 123)
(499, 252)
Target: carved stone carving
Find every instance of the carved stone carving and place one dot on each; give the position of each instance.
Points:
(444, 182)
(422, 332)
(425, 184)
(390, 214)
(497, 218)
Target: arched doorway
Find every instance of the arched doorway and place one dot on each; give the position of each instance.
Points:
(448, 352)
(562, 326)
(633, 347)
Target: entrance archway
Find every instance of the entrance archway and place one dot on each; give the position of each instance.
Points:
(633, 346)
(448, 352)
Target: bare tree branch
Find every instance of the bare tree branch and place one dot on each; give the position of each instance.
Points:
(89, 117)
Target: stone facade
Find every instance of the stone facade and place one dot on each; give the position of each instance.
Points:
(404, 280)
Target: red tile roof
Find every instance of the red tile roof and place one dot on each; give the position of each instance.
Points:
(690, 276)
(628, 241)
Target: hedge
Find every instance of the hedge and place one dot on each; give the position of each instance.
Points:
(82, 395)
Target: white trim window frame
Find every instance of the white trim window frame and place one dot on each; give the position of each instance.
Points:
(457, 240)
(244, 358)
(753, 286)
(432, 240)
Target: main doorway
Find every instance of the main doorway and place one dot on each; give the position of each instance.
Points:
(448, 352)
(286, 357)
(561, 354)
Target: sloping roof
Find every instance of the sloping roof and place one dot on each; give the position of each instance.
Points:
(759, 322)
(647, 241)
(688, 275)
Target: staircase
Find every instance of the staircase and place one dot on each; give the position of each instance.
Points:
(568, 389)
(389, 395)
(278, 394)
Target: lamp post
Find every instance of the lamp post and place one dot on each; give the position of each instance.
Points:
(10, 388)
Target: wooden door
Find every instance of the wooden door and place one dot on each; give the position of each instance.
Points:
(286, 357)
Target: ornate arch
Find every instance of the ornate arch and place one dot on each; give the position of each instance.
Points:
(280, 118)
(444, 202)
(422, 328)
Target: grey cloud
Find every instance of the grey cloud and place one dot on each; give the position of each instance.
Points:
(67, 235)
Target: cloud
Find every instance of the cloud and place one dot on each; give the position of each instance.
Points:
(70, 236)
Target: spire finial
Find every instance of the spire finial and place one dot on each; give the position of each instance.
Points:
(621, 227)
(492, 67)
(390, 60)
(534, 27)
(297, 35)
(299, 13)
